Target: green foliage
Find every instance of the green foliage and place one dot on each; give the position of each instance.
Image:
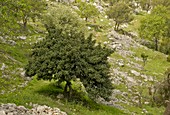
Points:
(65, 21)
(66, 54)
(12, 13)
(87, 10)
(165, 3)
(163, 89)
(165, 46)
(144, 57)
(29, 9)
(155, 26)
(152, 26)
(168, 58)
(163, 12)
(8, 21)
(120, 12)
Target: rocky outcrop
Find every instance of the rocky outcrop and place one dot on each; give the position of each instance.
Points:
(12, 109)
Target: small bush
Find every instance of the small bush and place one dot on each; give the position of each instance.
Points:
(168, 58)
(163, 90)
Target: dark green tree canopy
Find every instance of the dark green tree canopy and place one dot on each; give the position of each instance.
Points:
(67, 54)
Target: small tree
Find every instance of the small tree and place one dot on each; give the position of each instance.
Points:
(121, 13)
(8, 20)
(153, 27)
(14, 12)
(144, 57)
(87, 10)
(162, 93)
(66, 54)
(27, 9)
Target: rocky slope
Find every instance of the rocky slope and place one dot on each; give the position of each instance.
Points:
(134, 83)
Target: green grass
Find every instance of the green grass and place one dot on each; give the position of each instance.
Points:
(45, 93)
(13, 57)
(135, 24)
(150, 110)
(156, 64)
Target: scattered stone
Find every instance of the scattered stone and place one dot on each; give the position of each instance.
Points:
(120, 62)
(125, 94)
(145, 111)
(60, 96)
(2, 92)
(11, 42)
(76, 8)
(135, 72)
(22, 37)
(146, 103)
(131, 81)
(28, 78)
(3, 66)
(89, 27)
(12, 109)
(105, 42)
(124, 25)
(2, 112)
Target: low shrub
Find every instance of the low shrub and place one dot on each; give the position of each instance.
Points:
(168, 58)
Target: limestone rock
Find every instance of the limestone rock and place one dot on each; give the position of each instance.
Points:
(22, 37)
(2, 112)
(135, 73)
(3, 66)
(12, 109)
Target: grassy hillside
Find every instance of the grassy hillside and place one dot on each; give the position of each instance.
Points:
(45, 93)
(130, 78)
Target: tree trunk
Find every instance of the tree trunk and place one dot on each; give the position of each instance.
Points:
(25, 22)
(67, 90)
(86, 19)
(115, 28)
(156, 44)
